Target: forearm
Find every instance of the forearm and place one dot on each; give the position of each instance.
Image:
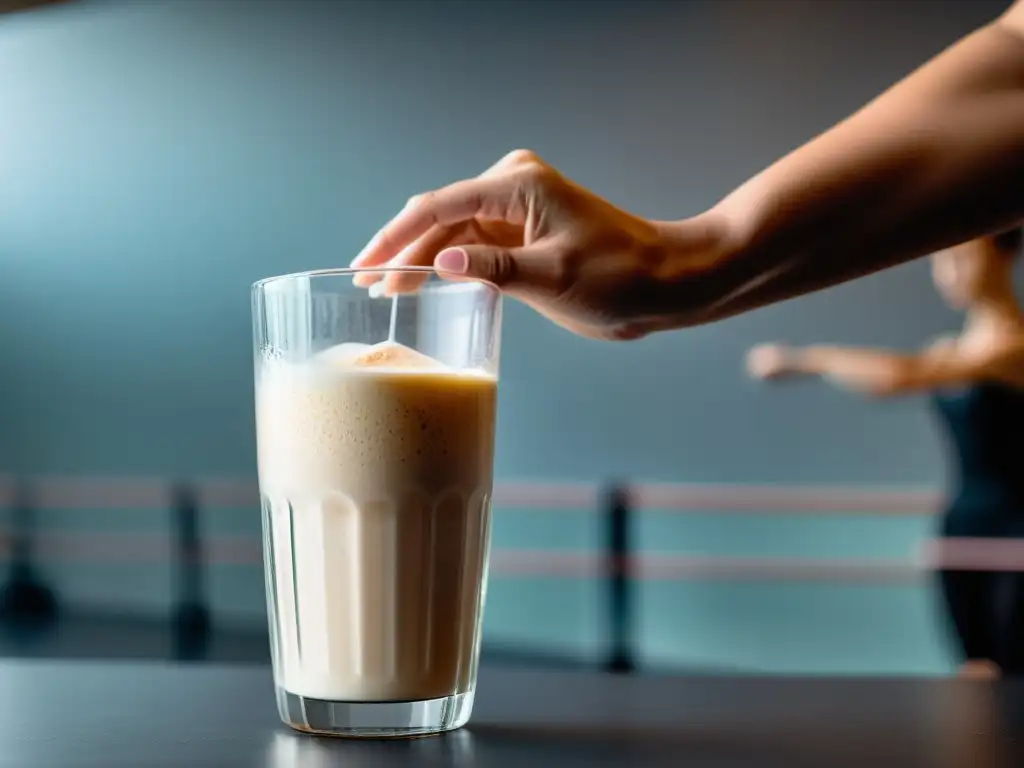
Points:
(868, 371)
(936, 160)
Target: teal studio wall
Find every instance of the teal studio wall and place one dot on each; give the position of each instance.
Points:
(157, 157)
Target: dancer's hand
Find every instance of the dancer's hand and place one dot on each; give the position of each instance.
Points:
(770, 361)
(571, 255)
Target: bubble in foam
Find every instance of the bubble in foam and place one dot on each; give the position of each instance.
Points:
(270, 353)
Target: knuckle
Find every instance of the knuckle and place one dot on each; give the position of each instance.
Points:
(521, 156)
(528, 166)
(564, 270)
(541, 176)
(503, 268)
(422, 207)
(533, 171)
(422, 200)
(529, 181)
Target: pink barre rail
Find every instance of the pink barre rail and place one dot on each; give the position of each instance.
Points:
(950, 554)
(78, 493)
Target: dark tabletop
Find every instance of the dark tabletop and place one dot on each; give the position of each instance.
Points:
(155, 715)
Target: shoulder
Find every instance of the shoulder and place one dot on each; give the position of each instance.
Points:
(941, 346)
(967, 360)
(1001, 361)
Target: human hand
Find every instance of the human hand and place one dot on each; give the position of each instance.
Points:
(572, 256)
(769, 361)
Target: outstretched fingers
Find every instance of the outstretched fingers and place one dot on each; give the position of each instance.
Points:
(486, 197)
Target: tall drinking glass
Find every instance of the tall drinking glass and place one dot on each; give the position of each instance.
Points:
(375, 444)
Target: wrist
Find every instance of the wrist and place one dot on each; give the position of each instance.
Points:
(697, 265)
(801, 360)
(701, 243)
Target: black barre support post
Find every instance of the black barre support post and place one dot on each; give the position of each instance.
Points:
(618, 580)
(27, 604)
(191, 615)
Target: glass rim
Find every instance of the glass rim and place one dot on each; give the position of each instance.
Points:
(353, 271)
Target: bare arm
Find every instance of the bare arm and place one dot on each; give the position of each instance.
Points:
(882, 373)
(936, 160)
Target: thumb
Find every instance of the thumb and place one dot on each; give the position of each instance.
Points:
(505, 267)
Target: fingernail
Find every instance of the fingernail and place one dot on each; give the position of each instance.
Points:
(454, 260)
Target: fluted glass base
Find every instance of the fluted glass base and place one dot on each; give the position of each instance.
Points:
(374, 720)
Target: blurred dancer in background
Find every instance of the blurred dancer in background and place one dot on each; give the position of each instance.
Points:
(976, 383)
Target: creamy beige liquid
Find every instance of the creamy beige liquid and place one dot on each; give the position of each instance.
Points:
(375, 472)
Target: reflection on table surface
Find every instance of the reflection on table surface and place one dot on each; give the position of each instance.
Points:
(948, 725)
(132, 714)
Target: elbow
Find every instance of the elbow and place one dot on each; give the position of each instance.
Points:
(874, 389)
(899, 380)
(891, 382)
(881, 392)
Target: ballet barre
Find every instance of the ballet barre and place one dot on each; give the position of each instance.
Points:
(224, 550)
(617, 565)
(216, 494)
